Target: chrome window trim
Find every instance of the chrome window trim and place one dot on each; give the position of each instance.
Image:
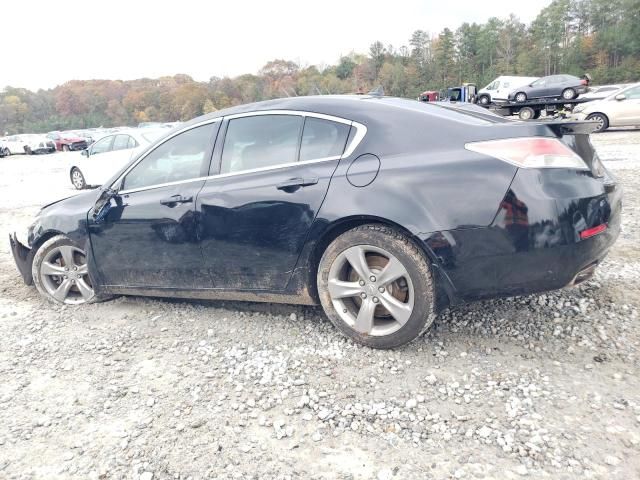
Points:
(361, 131)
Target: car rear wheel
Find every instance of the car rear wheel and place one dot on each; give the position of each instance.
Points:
(60, 272)
(7, 152)
(601, 119)
(77, 179)
(521, 97)
(376, 287)
(569, 94)
(65, 148)
(484, 100)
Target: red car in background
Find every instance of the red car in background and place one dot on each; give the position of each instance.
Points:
(67, 141)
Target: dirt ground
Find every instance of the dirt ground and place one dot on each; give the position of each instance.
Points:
(544, 386)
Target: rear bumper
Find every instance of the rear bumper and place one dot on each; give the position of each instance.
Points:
(23, 257)
(534, 250)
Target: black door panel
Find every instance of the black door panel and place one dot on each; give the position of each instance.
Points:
(145, 241)
(254, 225)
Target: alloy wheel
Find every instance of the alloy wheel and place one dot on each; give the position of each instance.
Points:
(371, 290)
(65, 276)
(521, 97)
(77, 179)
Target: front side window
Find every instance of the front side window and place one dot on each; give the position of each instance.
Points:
(260, 141)
(322, 138)
(633, 93)
(180, 158)
(103, 145)
(539, 83)
(492, 85)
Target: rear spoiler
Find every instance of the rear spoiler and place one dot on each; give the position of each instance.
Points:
(561, 127)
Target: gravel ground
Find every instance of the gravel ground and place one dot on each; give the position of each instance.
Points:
(544, 386)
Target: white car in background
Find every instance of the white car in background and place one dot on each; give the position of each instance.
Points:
(28, 143)
(620, 109)
(106, 156)
(500, 88)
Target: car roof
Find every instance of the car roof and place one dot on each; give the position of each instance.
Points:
(358, 108)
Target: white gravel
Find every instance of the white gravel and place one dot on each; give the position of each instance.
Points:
(543, 386)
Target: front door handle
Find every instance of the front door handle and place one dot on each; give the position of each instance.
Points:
(175, 200)
(295, 183)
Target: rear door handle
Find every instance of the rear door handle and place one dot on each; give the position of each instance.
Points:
(295, 183)
(175, 200)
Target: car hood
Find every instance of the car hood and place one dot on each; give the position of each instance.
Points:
(67, 216)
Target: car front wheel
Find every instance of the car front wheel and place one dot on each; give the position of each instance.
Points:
(60, 272)
(376, 287)
(569, 94)
(77, 179)
(484, 100)
(65, 148)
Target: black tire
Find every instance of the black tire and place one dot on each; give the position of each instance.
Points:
(420, 286)
(526, 113)
(65, 148)
(602, 119)
(46, 283)
(77, 179)
(484, 100)
(520, 97)
(569, 94)
(537, 114)
(7, 152)
(27, 151)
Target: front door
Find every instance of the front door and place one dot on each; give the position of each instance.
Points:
(149, 238)
(273, 176)
(626, 112)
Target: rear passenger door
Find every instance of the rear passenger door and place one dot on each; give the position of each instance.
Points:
(269, 181)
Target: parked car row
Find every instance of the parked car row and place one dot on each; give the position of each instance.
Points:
(67, 141)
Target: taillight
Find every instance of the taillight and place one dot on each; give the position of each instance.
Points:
(583, 82)
(590, 232)
(531, 152)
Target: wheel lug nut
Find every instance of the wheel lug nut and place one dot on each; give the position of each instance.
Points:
(66, 269)
(75, 268)
(363, 295)
(361, 282)
(375, 300)
(381, 289)
(372, 278)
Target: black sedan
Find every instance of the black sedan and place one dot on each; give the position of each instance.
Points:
(566, 87)
(382, 210)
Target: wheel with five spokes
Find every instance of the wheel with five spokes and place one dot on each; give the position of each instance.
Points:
(376, 287)
(60, 272)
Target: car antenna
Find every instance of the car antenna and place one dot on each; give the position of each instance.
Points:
(377, 92)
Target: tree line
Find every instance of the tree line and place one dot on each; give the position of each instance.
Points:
(600, 37)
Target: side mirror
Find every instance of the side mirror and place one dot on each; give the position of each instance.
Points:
(85, 153)
(621, 97)
(103, 204)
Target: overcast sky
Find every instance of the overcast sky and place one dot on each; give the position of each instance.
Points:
(46, 44)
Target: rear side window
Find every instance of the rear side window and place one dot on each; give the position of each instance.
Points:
(322, 138)
(121, 142)
(260, 141)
